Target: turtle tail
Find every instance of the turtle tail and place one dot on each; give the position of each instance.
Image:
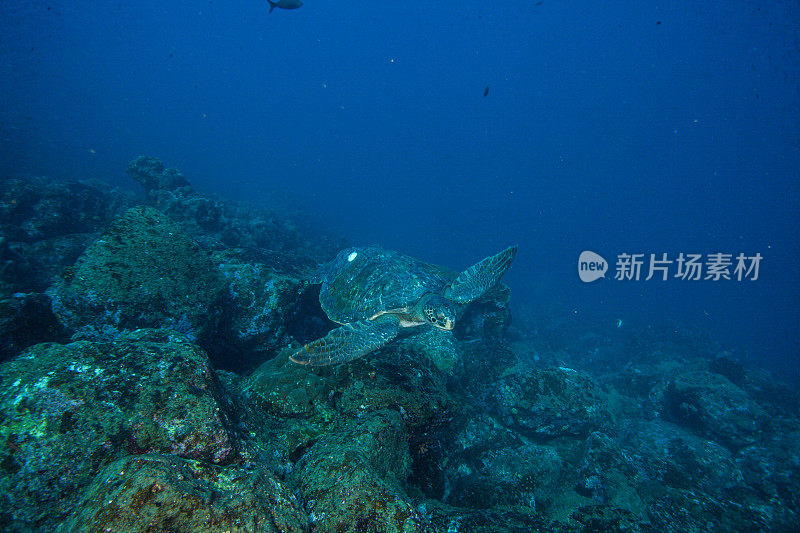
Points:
(272, 5)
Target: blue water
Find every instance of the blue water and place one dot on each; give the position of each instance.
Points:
(635, 127)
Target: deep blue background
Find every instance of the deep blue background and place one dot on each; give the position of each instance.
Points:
(612, 126)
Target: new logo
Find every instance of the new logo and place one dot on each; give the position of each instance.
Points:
(591, 266)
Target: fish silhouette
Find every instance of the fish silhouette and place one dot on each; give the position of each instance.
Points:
(284, 4)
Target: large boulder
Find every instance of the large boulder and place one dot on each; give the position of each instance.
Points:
(45, 225)
(712, 406)
(491, 467)
(143, 271)
(352, 479)
(548, 403)
(145, 493)
(152, 174)
(69, 410)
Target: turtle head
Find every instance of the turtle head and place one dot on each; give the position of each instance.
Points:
(438, 311)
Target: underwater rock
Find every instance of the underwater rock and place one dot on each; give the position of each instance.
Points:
(689, 483)
(446, 518)
(269, 239)
(143, 271)
(285, 410)
(607, 476)
(352, 479)
(779, 399)
(523, 478)
(714, 407)
(25, 320)
(259, 306)
(440, 347)
(151, 174)
(772, 470)
(68, 410)
(286, 390)
(306, 404)
(680, 460)
(603, 518)
(695, 511)
(492, 468)
(549, 403)
(150, 492)
(45, 225)
(42, 209)
(730, 368)
(417, 389)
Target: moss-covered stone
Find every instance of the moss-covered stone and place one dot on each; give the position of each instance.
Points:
(711, 405)
(149, 493)
(68, 410)
(260, 304)
(152, 174)
(545, 404)
(679, 459)
(352, 479)
(143, 271)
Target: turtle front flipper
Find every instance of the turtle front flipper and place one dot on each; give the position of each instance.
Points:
(480, 277)
(348, 342)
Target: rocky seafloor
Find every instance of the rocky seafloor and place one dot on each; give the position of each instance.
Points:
(145, 386)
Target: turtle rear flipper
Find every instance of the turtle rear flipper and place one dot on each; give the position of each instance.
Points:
(348, 342)
(480, 277)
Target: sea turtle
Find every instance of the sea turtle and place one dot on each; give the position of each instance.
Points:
(374, 293)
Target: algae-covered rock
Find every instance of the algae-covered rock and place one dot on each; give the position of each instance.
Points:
(288, 390)
(148, 493)
(696, 511)
(45, 225)
(413, 386)
(440, 347)
(549, 403)
(446, 518)
(272, 238)
(522, 477)
(143, 271)
(68, 410)
(773, 470)
(27, 319)
(607, 476)
(260, 303)
(714, 407)
(678, 459)
(352, 479)
(303, 404)
(151, 174)
(603, 518)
